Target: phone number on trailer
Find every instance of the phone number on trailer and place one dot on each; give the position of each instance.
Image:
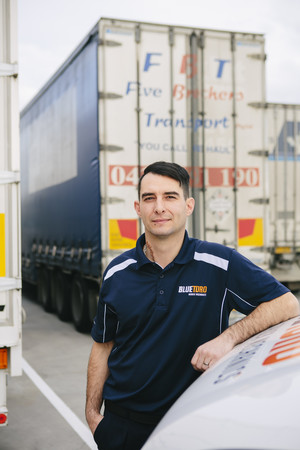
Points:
(212, 176)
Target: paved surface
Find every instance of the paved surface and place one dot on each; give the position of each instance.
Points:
(59, 355)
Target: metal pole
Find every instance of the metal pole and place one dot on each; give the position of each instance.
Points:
(202, 115)
(194, 142)
(233, 49)
(171, 44)
(285, 176)
(138, 106)
(275, 182)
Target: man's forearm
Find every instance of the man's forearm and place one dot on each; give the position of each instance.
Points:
(266, 315)
(96, 377)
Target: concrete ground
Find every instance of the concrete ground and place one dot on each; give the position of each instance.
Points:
(59, 355)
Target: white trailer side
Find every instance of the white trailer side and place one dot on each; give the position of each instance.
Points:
(10, 252)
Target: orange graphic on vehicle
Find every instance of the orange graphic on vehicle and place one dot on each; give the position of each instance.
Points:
(251, 232)
(123, 233)
(287, 347)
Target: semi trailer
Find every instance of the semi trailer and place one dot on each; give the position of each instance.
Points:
(283, 146)
(130, 94)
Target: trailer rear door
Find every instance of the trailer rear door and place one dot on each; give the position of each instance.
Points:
(183, 95)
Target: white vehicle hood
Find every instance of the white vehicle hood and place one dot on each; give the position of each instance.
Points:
(249, 400)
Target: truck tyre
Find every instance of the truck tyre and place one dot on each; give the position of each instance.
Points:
(93, 294)
(61, 297)
(79, 304)
(44, 289)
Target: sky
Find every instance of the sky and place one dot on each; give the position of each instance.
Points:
(49, 30)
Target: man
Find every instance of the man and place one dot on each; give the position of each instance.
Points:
(163, 312)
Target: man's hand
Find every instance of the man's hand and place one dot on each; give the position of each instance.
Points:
(94, 422)
(96, 377)
(209, 353)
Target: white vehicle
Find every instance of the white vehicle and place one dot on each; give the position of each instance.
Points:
(248, 400)
(10, 251)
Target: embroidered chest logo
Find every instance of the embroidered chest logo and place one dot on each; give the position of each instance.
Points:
(193, 290)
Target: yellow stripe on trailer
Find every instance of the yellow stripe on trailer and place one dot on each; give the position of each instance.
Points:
(2, 245)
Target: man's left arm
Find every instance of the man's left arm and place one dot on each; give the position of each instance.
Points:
(264, 316)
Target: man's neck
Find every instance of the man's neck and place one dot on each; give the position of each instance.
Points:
(163, 250)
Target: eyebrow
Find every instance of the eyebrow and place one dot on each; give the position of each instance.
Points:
(146, 194)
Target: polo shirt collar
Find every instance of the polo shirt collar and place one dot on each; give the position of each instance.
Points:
(187, 250)
(185, 254)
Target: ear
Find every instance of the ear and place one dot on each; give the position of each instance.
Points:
(190, 205)
(137, 208)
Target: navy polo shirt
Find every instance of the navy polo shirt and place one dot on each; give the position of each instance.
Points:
(158, 317)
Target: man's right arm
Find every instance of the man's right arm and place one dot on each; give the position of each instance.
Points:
(96, 377)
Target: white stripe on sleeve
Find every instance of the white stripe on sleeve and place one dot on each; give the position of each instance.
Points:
(212, 259)
(119, 267)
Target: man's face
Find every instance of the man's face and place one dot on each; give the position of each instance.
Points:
(162, 206)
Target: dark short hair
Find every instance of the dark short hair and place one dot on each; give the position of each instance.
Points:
(171, 170)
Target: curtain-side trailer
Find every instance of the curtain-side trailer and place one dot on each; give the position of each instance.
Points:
(130, 94)
(10, 250)
(283, 143)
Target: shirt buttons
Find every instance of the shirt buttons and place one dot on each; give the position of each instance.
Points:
(161, 292)
(161, 276)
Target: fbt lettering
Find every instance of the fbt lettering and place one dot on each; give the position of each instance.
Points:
(188, 66)
(220, 69)
(149, 60)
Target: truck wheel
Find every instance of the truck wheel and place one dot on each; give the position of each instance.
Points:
(44, 289)
(93, 293)
(79, 304)
(62, 296)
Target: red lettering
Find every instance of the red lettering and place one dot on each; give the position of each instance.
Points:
(189, 61)
(178, 91)
(223, 95)
(193, 93)
(212, 94)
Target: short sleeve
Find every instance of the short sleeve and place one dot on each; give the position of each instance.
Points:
(248, 285)
(105, 323)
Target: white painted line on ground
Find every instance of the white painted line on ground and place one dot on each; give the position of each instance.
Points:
(78, 426)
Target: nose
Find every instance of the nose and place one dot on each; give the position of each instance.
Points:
(159, 206)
